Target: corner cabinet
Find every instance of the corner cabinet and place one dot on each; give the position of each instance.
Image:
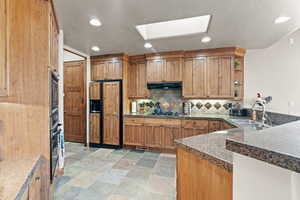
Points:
(3, 49)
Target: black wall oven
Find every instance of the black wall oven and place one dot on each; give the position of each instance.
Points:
(54, 123)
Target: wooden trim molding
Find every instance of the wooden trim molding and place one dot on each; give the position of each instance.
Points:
(4, 51)
(109, 57)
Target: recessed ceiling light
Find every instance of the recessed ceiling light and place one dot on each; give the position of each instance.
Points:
(173, 28)
(148, 45)
(206, 39)
(95, 22)
(282, 19)
(95, 48)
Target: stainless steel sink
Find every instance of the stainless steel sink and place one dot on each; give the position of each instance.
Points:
(246, 123)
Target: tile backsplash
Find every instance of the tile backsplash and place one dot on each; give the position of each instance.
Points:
(171, 101)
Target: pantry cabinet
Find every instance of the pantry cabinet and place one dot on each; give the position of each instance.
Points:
(3, 49)
(164, 70)
(137, 84)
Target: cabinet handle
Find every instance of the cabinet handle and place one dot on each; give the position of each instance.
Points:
(37, 178)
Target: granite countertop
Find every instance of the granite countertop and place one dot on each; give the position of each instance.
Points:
(279, 145)
(15, 175)
(203, 116)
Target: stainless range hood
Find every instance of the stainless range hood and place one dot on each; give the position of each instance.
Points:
(164, 85)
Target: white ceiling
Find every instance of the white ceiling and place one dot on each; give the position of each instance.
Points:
(244, 23)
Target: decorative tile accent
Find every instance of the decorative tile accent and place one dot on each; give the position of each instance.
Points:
(172, 101)
(217, 105)
(199, 105)
(208, 105)
(226, 106)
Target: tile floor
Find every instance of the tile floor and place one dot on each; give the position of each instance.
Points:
(106, 174)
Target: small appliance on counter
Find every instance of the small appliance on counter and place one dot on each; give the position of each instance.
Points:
(240, 112)
(134, 107)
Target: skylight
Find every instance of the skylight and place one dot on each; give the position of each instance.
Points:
(174, 28)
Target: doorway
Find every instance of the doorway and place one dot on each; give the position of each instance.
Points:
(74, 97)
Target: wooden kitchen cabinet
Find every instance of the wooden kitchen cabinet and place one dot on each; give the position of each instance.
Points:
(95, 128)
(194, 78)
(137, 83)
(106, 70)
(151, 133)
(164, 70)
(35, 185)
(214, 126)
(3, 49)
(95, 90)
(134, 134)
(155, 71)
(53, 39)
(173, 70)
(220, 77)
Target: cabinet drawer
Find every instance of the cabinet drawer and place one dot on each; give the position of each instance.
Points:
(214, 126)
(163, 122)
(196, 124)
(134, 120)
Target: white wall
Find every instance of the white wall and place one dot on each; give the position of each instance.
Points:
(275, 72)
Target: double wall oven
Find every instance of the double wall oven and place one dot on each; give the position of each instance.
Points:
(54, 123)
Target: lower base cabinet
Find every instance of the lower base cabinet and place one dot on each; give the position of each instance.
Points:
(161, 133)
(199, 179)
(33, 190)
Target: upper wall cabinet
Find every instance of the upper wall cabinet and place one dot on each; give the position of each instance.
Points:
(53, 39)
(164, 68)
(209, 77)
(3, 49)
(137, 84)
(220, 76)
(194, 78)
(107, 68)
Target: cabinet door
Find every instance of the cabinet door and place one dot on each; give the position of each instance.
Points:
(3, 48)
(142, 91)
(35, 186)
(153, 136)
(95, 128)
(53, 39)
(173, 70)
(95, 90)
(155, 70)
(169, 134)
(199, 77)
(134, 134)
(98, 71)
(133, 81)
(111, 113)
(226, 73)
(214, 126)
(113, 70)
(213, 76)
(188, 78)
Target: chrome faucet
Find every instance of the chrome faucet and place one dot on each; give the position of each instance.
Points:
(260, 105)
